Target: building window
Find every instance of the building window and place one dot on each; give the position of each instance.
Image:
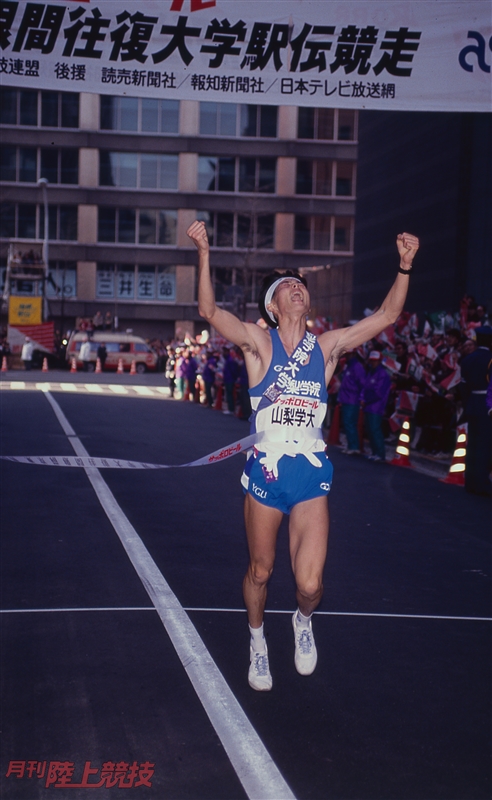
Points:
(323, 177)
(345, 179)
(142, 114)
(342, 234)
(138, 170)
(232, 119)
(62, 280)
(240, 231)
(236, 174)
(346, 125)
(145, 226)
(39, 109)
(28, 164)
(322, 233)
(314, 177)
(136, 282)
(326, 123)
(26, 221)
(62, 222)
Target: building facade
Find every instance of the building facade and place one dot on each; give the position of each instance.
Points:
(126, 176)
(430, 174)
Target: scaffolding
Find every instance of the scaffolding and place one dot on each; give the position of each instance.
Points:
(27, 272)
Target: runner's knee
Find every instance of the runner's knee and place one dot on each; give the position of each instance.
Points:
(260, 574)
(309, 588)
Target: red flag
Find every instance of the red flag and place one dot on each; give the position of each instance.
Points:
(408, 401)
(452, 379)
(391, 364)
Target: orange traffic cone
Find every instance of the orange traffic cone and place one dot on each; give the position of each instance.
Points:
(133, 368)
(120, 366)
(4, 364)
(456, 474)
(334, 434)
(98, 365)
(73, 364)
(218, 398)
(45, 365)
(402, 454)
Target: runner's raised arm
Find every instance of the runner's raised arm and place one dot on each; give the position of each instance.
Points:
(335, 343)
(243, 334)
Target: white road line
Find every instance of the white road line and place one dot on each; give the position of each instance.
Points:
(43, 387)
(254, 767)
(17, 385)
(93, 387)
(163, 390)
(117, 389)
(71, 610)
(351, 614)
(144, 390)
(68, 387)
(288, 612)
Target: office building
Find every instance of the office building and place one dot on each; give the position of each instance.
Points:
(126, 177)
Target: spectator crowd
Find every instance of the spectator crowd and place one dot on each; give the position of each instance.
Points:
(413, 369)
(411, 372)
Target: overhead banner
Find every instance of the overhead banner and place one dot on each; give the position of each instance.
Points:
(389, 55)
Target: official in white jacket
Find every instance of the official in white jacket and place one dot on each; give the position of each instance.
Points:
(26, 354)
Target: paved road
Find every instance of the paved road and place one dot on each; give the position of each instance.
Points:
(93, 674)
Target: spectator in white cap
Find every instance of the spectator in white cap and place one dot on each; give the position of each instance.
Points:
(375, 397)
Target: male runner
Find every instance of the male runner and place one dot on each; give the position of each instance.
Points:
(288, 471)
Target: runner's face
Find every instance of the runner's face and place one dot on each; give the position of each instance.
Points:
(291, 294)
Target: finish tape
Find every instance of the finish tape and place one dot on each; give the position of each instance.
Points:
(117, 463)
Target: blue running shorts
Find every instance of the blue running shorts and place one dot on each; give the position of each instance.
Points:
(298, 480)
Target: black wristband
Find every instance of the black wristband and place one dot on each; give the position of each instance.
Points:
(405, 271)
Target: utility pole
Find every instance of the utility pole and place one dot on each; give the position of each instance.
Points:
(43, 183)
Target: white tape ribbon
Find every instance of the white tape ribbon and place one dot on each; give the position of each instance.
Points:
(119, 463)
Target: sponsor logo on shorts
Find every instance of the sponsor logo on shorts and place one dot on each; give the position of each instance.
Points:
(259, 492)
(325, 487)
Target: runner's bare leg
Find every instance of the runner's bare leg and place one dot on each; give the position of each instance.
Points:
(262, 524)
(308, 542)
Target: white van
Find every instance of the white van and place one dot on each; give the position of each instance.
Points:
(124, 346)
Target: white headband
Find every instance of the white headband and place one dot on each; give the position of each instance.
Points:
(271, 292)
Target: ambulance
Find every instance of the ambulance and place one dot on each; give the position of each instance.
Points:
(124, 346)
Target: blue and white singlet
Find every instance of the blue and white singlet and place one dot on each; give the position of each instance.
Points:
(291, 426)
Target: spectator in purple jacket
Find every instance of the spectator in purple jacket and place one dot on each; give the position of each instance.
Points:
(375, 397)
(349, 396)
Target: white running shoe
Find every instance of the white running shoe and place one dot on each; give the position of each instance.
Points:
(306, 655)
(259, 676)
